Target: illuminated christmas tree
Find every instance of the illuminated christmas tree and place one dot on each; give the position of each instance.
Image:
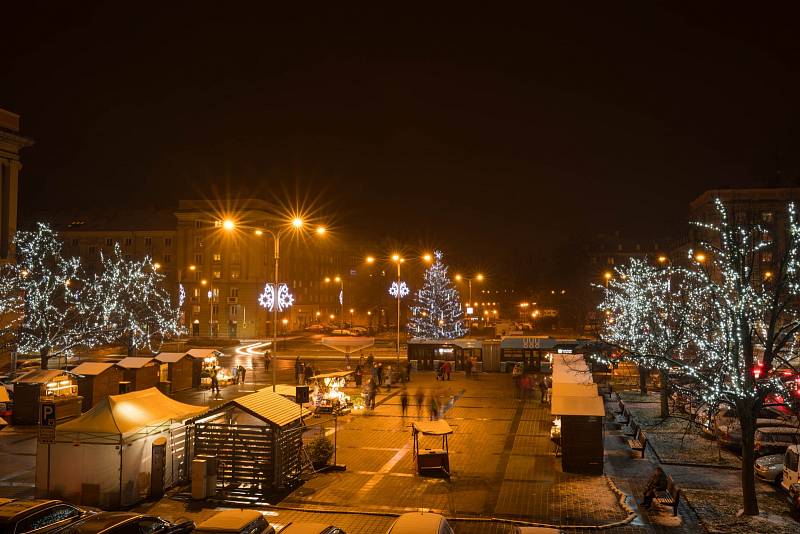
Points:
(437, 314)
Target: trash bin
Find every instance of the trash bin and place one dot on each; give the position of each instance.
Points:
(414, 364)
(477, 367)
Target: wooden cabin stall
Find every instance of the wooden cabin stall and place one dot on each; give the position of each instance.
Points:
(53, 385)
(96, 381)
(140, 372)
(202, 358)
(257, 440)
(175, 368)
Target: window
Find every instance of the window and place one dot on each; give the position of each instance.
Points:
(215, 292)
(196, 309)
(767, 217)
(167, 258)
(74, 242)
(236, 258)
(216, 310)
(109, 242)
(128, 241)
(198, 259)
(610, 261)
(196, 292)
(197, 276)
(766, 257)
(46, 517)
(217, 275)
(167, 242)
(198, 242)
(217, 224)
(233, 292)
(217, 257)
(235, 274)
(148, 241)
(233, 310)
(92, 250)
(198, 224)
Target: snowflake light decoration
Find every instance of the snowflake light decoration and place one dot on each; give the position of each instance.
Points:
(181, 295)
(284, 298)
(341, 296)
(398, 291)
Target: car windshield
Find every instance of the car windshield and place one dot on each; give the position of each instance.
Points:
(791, 460)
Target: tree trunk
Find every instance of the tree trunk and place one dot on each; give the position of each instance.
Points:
(644, 373)
(747, 421)
(131, 349)
(44, 357)
(665, 391)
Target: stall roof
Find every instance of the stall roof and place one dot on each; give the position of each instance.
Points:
(134, 362)
(92, 368)
(171, 357)
(268, 406)
(564, 405)
(463, 343)
(286, 390)
(433, 428)
(565, 389)
(129, 412)
(40, 376)
(571, 369)
(4, 394)
(202, 353)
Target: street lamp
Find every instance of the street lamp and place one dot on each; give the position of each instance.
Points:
(398, 260)
(607, 275)
(210, 304)
(339, 280)
(478, 277)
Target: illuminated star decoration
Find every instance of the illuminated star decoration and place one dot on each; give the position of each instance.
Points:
(181, 295)
(284, 299)
(341, 296)
(398, 290)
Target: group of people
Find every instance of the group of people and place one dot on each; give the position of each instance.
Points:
(238, 374)
(303, 372)
(527, 385)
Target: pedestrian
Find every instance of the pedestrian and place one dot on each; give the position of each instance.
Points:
(298, 370)
(235, 375)
(309, 373)
(419, 396)
(389, 378)
(657, 482)
(370, 359)
(380, 373)
(468, 367)
(524, 386)
(408, 371)
(447, 369)
(361, 358)
(543, 389)
(358, 375)
(268, 360)
(404, 401)
(214, 382)
(440, 371)
(433, 407)
(347, 360)
(373, 392)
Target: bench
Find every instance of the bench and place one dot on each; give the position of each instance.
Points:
(670, 497)
(639, 442)
(604, 389)
(632, 429)
(625, 417)
(620, 407)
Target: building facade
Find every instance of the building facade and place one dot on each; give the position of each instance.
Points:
(11, 143)
(220, 271)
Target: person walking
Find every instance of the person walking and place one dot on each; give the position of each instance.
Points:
(447, 369)
(389, 378)
(309, 373)
(404, 401)
(268, 360)
(214, 382)
(235, 375)
(524, 386)
(380, 373)
(373, 392)
(468, 367)
(358, 375)
(543, 390)
(242, 373)
(298, 370)
(408, 371)
(420, 398)
(433, 407)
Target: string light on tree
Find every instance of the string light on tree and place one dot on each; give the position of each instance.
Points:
(437, 313)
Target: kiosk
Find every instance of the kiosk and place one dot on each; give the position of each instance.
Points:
(427, 460)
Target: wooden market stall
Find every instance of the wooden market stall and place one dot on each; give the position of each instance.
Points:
(431, 460)
(578, 411)
(127, 448)
(96, 381)
(257, 440)
(327, 395)
(54, 385)
(202, 359)
(175, 369)
(140, 372)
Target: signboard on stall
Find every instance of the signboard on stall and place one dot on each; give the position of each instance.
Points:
(47, 422)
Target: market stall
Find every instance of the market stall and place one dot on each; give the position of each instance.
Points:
(141, 372)
(54, 385)
(125, 449)
(257, 441)
(578, 412)
(327, 395)
(202, 359)
(431, 460)
(175, 370)
(96, 381)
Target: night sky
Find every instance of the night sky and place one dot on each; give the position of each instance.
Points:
(475, 129)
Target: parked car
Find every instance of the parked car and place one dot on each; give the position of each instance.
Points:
(791, 467)
(341, 332)
(731, 436)
(358, 330)
(310, 528)
(770, 468)
(420, 523)
(317, 328)
(18, 516)
(726, 416)
(236, 522)
(127, 523)
(775, 439)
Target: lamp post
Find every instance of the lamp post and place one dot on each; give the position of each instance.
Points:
(478, 277)
(398, 260)
(210, 306)
(339, 280)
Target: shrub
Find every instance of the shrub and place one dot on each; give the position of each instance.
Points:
(320, 450)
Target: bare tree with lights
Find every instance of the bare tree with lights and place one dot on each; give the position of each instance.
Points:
(742, 322)
(129, 300)
(437, 314)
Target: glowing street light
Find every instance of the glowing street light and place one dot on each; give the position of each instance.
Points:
(228, 225)
(297, 222)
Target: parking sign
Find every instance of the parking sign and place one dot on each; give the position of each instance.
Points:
(47, 422)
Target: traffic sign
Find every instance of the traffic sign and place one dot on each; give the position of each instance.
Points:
(47, 422)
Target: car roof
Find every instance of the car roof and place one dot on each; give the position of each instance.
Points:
(778, 430)
(305, 528)
(229, 521)
(11, 509)
(103, 521)
(415, 522)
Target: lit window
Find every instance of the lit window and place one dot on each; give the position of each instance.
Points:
(235, 275)
(168, 242)
(198, 259)
(217, 275)
(215, 292)
(766, 257)
(196, 309)
(233, 292)
(148, 241)
(109, 242)
(767, 217)
(217, 257)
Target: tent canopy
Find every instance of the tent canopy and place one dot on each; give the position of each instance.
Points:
(130, 412)
(432, 428)
(92, 368)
